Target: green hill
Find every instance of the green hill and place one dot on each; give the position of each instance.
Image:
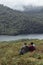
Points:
(14, 22)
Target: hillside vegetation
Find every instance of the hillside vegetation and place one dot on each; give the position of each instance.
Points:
(9, 53)
(14, 22)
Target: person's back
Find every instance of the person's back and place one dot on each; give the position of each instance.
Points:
(24, 49)
(31, 47)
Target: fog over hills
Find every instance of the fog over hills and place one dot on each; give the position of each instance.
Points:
(33, 8)
(28, 8)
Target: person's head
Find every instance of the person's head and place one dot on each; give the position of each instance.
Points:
(31, 43)
(25, 43)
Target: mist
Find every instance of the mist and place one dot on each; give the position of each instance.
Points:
(20, 4)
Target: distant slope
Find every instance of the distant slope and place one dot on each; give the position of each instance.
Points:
(14, 22)
(33, 9)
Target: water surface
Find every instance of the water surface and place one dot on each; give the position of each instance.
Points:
(18, 37)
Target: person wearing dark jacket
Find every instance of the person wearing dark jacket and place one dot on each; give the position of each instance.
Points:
(24, 49)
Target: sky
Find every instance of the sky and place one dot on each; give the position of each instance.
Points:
(17, 4)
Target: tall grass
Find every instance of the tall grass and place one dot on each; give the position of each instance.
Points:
(9, 53)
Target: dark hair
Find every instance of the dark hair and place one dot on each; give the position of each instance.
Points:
(25, 43)
(31, 43)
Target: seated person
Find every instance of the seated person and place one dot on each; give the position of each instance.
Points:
(32, 47)
(24, 49)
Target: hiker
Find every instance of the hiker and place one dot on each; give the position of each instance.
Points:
(32, 47)
(24, 49)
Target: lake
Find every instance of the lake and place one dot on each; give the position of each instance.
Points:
(18, 37)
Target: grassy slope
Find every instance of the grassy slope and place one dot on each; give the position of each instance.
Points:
(9, 53)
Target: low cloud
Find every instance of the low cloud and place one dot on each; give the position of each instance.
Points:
(18, 4)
